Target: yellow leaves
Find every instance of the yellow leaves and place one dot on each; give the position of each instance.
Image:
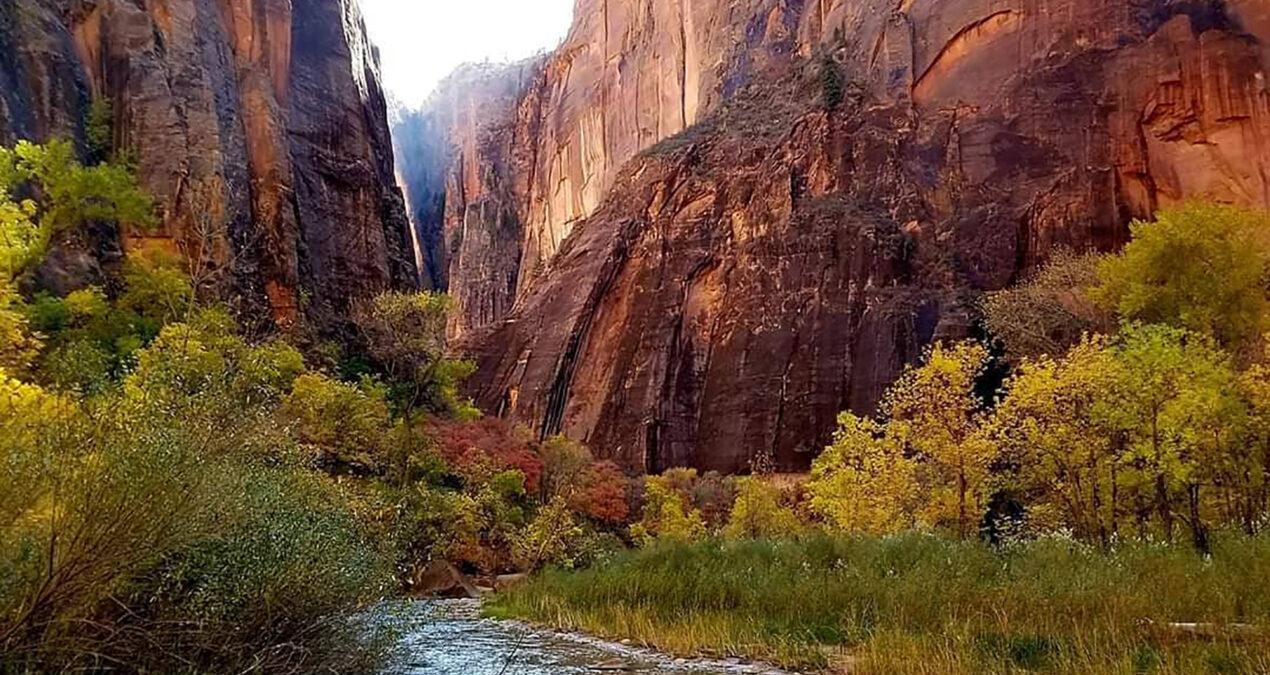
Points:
(405, 327)
(87, 303)
(24, 408)
(928, 463)
(933, 408)
(863, 482)
(156, 286)
(668, 514)
(759, 513)
(1201, 267)
(20, 238)
(69, 195)
(345, 423)
(19, 346)
(30, 418)
(551, 537)
(934, 414)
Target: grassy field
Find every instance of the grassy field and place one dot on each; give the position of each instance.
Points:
(920, 604)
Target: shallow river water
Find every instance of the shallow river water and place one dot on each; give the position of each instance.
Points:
(449, 637)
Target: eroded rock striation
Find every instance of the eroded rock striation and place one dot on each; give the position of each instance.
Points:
(259, 126)
(700, 229)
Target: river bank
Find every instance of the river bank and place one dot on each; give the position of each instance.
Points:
(452, 637)
(921, 604)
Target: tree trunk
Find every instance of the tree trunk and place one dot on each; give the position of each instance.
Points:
(1096, 497)
(1199, 533)
(1265, 477)
(1161, 484)
(1115, 495)
(961, 503)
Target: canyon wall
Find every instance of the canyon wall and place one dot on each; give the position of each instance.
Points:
(704, 228)
(259, 126)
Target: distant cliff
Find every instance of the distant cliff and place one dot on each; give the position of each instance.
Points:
(714, 224)
(259, 126)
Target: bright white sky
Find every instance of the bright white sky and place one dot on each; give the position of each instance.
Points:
(422, 41)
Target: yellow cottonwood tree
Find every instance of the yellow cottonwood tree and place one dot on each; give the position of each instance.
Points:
(1201, 267)
(758, 512)
(863, 482)
(1175, 395)
(668, 514)
(935, 415)
(1251, 501)
(1049, 431)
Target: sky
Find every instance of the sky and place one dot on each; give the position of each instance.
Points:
(422, 41)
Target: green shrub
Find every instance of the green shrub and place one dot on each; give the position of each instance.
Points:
(347, 426)
(287, 569)
(70, 195)
(1167, 273)
(99, 129)
(832, 87)
(166, 524)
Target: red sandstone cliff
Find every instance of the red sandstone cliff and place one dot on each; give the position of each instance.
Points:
(723, 295)
(259, 126)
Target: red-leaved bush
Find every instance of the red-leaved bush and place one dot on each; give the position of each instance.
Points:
(602, 494)
(489, 440)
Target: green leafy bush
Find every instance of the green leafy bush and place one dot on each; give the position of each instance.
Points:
(347, 426)
(70, 195)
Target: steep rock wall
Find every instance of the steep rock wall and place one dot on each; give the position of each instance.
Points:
(259, 126)
(466, 160)
(629, 74)
(744, 280)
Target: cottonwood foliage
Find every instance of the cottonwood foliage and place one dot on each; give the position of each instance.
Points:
(1151, 430)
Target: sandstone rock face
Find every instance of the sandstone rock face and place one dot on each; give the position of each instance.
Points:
(709, 264)
(545, 139)
(259, 126)
(464, 163)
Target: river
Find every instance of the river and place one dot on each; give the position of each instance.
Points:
(449, 637)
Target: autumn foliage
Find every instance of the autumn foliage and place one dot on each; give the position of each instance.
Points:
(1153, 431)
(488, 440)
(603, 494)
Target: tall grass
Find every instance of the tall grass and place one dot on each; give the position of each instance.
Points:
(921, 604)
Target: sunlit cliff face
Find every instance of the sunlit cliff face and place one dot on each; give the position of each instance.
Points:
(632, 301)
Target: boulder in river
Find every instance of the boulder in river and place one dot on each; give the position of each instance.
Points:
(443, 580)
